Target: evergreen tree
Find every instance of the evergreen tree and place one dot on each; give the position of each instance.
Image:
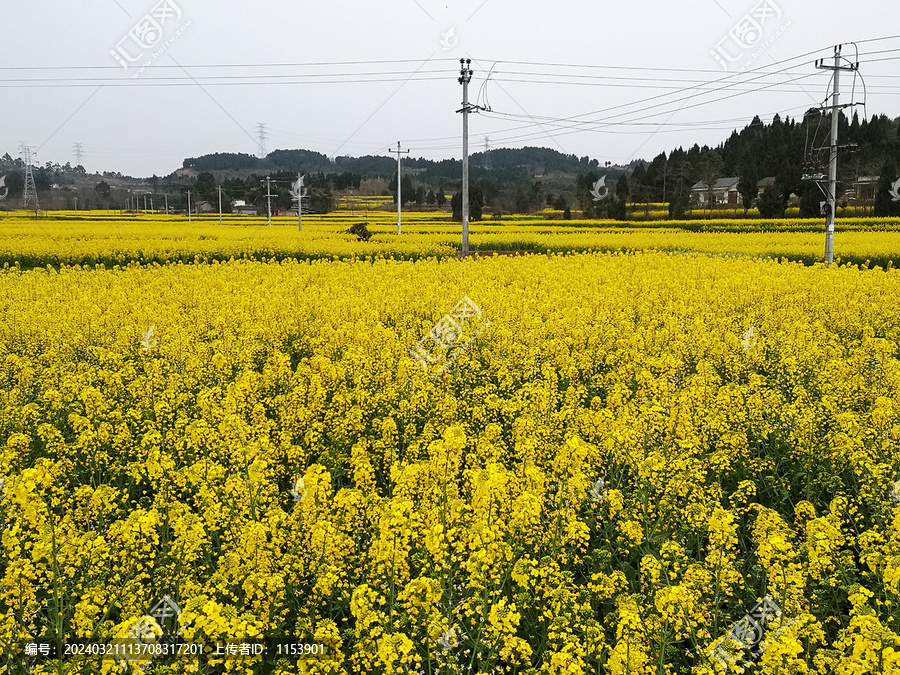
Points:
(772, 203)
(476, 204)
(747, 185)
(583, 197)
(623, 189)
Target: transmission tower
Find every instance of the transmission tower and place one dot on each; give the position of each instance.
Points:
(261, 136)
(78, 152)
(30, 189)
(487, 153)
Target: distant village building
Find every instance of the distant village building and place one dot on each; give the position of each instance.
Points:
(185, 173)
(863, 190)
(765, 185)
(724, 191)
(241, 208)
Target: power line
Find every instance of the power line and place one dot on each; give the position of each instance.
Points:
(626, 118)
(704, 124)
(587, 125)
(234, 65)
(356, 62)
(577, 125)
(690, 91)
(363, 77)
(289, 79)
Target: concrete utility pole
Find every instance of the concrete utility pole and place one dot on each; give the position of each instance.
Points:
(298, 194)
(189, 206)
(219, 187)
(833, 150)
(399, 201)
(465, 76)
(269, 200)
(167, 203)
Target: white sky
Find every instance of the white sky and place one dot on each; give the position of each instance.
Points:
(60, 85)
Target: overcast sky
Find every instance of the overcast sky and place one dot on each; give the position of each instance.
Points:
(611, 80)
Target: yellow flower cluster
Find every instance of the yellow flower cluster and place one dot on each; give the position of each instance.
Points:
(634, 451)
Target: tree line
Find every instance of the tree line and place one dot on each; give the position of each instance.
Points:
(526, 180)
(783, 149)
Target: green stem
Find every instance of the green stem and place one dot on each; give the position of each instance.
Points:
(56, 609)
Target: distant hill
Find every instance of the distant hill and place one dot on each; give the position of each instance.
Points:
(517, 161)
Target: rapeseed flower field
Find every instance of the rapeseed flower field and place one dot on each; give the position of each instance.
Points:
(627, 461)
(111, 241)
